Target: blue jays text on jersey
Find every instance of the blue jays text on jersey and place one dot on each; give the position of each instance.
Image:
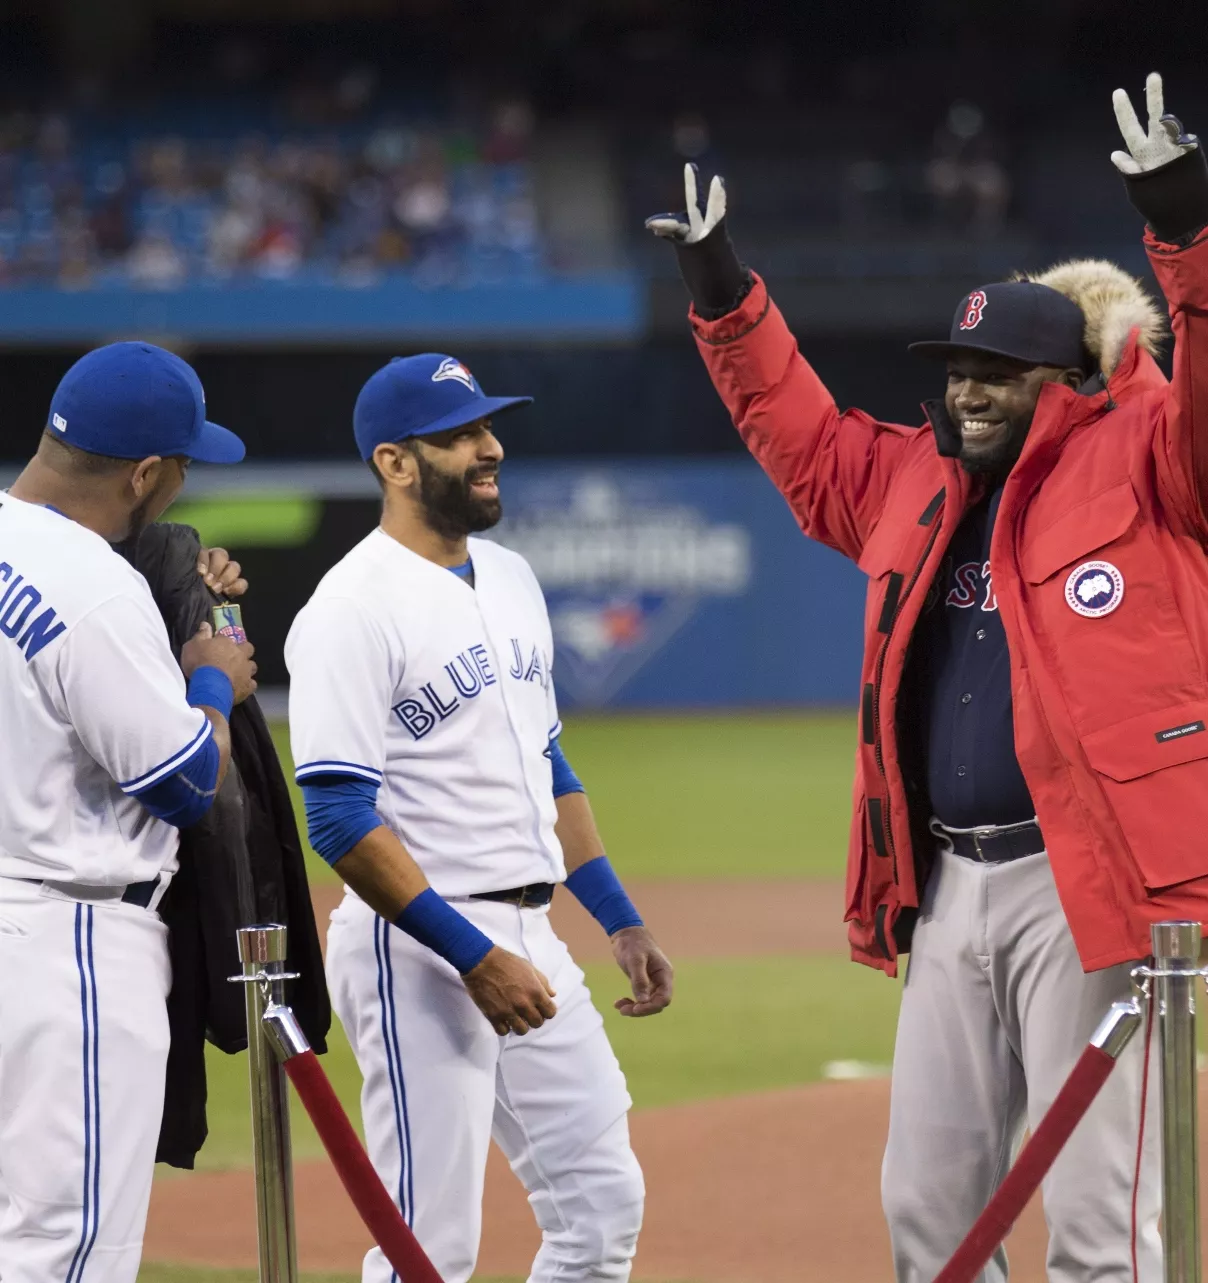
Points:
(463, 678)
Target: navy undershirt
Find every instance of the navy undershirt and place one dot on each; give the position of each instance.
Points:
(973, 775)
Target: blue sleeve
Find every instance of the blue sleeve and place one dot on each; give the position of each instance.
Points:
(181, 799)
(339, 813)
(565, 779)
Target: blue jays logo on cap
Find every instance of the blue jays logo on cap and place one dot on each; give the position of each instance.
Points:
(419, 396)
(453, 369)
(1094, 589)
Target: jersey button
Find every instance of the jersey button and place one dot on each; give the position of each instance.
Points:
(981, 634)
(966, 697)
(960, 770)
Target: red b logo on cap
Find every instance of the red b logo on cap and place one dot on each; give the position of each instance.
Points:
(973, 312)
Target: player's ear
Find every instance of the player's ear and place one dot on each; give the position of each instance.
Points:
(146, 475)
(395, 465)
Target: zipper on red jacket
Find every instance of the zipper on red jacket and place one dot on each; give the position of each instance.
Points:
(929, 515)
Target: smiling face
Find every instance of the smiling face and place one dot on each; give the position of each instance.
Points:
(459, 479)
(991, 401)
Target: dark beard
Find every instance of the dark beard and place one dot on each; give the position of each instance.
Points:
(139, 521)
(450, 509)
(994, 465)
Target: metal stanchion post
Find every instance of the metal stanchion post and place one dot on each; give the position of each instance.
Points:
(262, 953)
(1176, 949)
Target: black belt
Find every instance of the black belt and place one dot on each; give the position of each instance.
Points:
(998, 845)
(532, 896)
(140, 893)
(137, 893)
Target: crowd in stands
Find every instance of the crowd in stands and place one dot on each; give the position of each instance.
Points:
(444, 204)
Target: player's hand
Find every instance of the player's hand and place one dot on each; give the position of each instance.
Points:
(513, 995)
(650, 973)
(223, 575)
(232, 658)
(1163, 141)
(692, 225)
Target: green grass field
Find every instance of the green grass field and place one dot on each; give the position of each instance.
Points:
(685, 796)
(677, 797)
(785, 1019)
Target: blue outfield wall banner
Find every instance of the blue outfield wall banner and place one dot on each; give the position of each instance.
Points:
(683, 584)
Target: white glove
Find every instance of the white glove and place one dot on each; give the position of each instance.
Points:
(697, 226)
(1165, 140)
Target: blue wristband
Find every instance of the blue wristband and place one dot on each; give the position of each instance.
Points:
(442, 929)
(598, 889)
(212, 687)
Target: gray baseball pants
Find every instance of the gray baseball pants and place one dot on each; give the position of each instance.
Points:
(995, 1011)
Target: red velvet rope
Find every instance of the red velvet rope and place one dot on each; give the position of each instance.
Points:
(1037, 1156)
(364, 1186)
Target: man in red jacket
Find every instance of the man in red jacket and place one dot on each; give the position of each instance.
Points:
(1032, 774)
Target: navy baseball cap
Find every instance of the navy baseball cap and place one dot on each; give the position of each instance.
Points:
(133, 400)
(416, 396)
(1019, 319)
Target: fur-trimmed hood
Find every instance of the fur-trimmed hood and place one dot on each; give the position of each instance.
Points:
(1113, 302)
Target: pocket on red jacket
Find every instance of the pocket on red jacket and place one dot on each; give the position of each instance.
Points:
(1098, 596)
(1153, 768)
(1080, 531)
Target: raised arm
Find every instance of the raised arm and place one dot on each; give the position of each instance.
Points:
(1167, 180)
(832, 468)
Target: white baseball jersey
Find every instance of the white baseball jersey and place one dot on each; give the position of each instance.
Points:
(442, 694)
(92, 707)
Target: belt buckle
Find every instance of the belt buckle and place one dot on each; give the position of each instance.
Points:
(525, 902)
(977, 835)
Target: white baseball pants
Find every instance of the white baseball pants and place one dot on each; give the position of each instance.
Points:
(996, 1010)
(439, 1083)
(83, 1050)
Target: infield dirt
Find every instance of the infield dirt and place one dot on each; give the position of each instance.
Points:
(777, 1187)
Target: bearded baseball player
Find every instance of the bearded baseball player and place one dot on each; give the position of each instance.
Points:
(424, 726)
(107, 755)
(1032, 775)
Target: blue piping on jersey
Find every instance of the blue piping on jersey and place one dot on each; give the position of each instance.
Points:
(333, 766)
(170, 765)
(90, 1216)
(394, 1068)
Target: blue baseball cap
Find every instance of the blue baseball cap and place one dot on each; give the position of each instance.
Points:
(133, 400)
(416, 396)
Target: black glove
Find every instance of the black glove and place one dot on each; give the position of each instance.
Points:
(715, 278)
(1164, 168)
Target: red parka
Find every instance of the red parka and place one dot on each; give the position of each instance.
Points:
(1111, 712)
